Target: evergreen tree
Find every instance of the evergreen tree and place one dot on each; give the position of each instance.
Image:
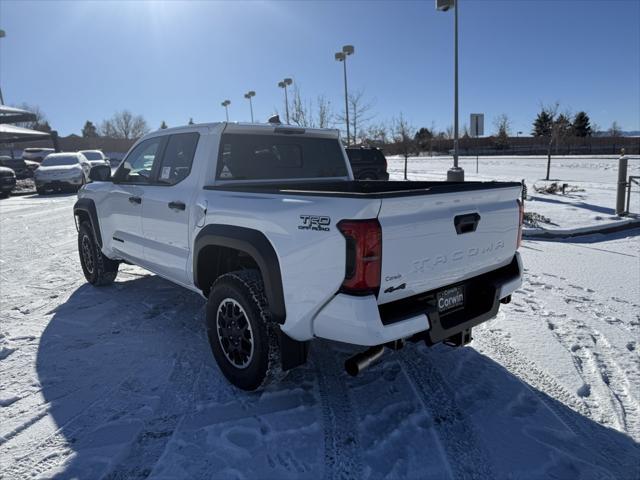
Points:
(543, 124)
(423, 138)
(163, 125)
(562, 127)
(582, 125)
(89, 130)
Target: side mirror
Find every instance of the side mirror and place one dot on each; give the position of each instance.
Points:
(100, 173)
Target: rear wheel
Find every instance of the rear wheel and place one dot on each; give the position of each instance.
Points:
(243, 339)
(97, 268)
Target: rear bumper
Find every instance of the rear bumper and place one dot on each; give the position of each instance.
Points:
(61, 183)
(361, 321)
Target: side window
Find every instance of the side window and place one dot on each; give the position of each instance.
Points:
(355, 156)
(138, 165)
(177, 158)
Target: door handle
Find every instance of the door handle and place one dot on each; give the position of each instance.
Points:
(137, 200)
(177, 205)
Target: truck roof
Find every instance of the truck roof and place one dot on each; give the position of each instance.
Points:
(256, 128)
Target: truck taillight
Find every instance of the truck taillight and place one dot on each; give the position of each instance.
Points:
(364, 256)
(520, 222)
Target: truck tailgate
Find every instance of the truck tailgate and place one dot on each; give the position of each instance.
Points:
(433, 241)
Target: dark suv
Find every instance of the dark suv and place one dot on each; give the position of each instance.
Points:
(368, 163)
(22, 168)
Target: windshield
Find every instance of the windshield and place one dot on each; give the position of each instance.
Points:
(263, 157)
(92, 155)
(58, 161)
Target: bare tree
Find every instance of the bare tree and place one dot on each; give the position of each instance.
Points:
(359, 113)
(615, 130)
(377, 133)
(124, 125)
(557, 130)
(325, 112)
(299, 111)
(39, 122)
(448, 133)
(403, 137)
(502, 124)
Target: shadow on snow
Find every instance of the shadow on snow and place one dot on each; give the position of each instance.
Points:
(132, 386)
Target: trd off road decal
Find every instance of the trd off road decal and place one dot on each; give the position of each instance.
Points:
(315, 222)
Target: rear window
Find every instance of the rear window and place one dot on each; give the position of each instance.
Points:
(92, 155)
(275, 157)
(58, 161)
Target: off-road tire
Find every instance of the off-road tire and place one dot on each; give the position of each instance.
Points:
(264, 366)
(97, 268)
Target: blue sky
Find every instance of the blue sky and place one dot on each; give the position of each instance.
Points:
(174, 60)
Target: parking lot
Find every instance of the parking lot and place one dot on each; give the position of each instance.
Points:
(120, 382)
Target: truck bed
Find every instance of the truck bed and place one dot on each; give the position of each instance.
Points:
(362, 189)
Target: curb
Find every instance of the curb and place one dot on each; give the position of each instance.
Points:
(579, 232)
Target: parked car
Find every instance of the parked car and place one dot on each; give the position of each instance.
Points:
(368, 163)
(62, 171)
(7, 181)
(36, 154)
(268, 224)
(95, 157)
(22, 168)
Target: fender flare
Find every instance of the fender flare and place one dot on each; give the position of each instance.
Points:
(87, 205)
(255, 244)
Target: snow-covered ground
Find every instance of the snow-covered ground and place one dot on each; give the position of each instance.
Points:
(119, 382)
(589, 199)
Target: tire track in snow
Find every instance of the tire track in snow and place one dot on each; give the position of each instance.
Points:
(341, 443)
(547, 389)
(176, 401)
(467, 459)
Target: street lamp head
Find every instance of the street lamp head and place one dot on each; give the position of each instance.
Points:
(226, 103)
(339, 56)
(2, 33)
(348, 50)
(444, 5)
(281, 84)
(287, 81)
(251, 93)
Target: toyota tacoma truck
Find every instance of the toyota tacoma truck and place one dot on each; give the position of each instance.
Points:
(267, 223)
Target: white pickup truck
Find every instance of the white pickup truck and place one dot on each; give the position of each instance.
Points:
(267, 223)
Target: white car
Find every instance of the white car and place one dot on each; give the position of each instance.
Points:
(268, 224)
(62, 171)
(36, 154)
(95, 157)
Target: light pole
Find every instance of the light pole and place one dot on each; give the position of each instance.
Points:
(342, 57)
(248, 96)
(2, 35)
(226, 104)
(456, 173)
(283, 84)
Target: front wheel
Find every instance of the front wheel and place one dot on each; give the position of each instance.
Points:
(243, 339)
(97, 268)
